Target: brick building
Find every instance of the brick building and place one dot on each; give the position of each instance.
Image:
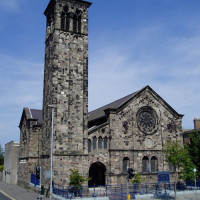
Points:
(187, 133)
(102, 143)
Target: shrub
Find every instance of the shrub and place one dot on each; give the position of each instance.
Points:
(1, 168)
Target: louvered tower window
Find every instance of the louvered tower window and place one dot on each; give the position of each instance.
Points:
(65, 21)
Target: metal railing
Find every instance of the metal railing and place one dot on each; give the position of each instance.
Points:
(119, 192)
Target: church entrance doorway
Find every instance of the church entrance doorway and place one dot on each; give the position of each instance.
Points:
(97, 174)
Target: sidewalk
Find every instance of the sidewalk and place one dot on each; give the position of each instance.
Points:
(18, 193)
(186, 195)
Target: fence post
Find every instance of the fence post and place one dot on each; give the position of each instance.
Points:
(115, 192)
(122, 194)
(94, 190)
(106, 191)
(146, 187)
(81, 191)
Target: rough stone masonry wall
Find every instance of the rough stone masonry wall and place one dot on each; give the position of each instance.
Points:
(128, 141)
(66, 87)
(66, 82)
(62, 164)
(29, 151)
(26, 167)
(100, 154)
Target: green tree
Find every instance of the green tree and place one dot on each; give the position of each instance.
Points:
(1, 160)
(1, 156)
(179, 157)
(76, 179)
(137, 179)
(194, 150)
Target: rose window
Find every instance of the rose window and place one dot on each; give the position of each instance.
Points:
(147, 120)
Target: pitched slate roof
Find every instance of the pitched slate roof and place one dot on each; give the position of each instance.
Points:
(37, 114)
(31, 114)
(99, 113)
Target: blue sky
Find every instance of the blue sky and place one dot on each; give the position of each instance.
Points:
(132, 43)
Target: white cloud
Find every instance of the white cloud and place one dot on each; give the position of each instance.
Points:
(21, 82)
(21, 86)
(172, 69)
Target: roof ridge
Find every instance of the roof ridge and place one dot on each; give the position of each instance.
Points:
(35, 109)
(114, 101)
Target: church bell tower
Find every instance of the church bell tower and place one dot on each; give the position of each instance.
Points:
(66, 87)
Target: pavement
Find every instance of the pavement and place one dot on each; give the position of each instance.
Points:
(14, 192)
(186, 195)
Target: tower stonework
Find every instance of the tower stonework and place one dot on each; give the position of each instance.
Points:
(66, 87)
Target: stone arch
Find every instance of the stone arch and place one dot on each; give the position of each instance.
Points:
(97, 174)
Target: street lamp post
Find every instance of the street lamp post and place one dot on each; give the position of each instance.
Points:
(195, 182)
(51, 170)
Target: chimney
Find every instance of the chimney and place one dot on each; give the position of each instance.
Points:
(196, 123)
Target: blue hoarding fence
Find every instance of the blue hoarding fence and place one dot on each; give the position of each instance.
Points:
(34, 180)
(164, 177)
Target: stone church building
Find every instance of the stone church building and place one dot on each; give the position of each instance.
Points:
(101, 144)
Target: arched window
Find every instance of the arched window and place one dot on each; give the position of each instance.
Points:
(94, 142)
(89, 145)
(154, 164)
(145, 164)
(65, 21)
(100, 143)
(105, 143)
(79, 24)
(75, 20)
(126, 162)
